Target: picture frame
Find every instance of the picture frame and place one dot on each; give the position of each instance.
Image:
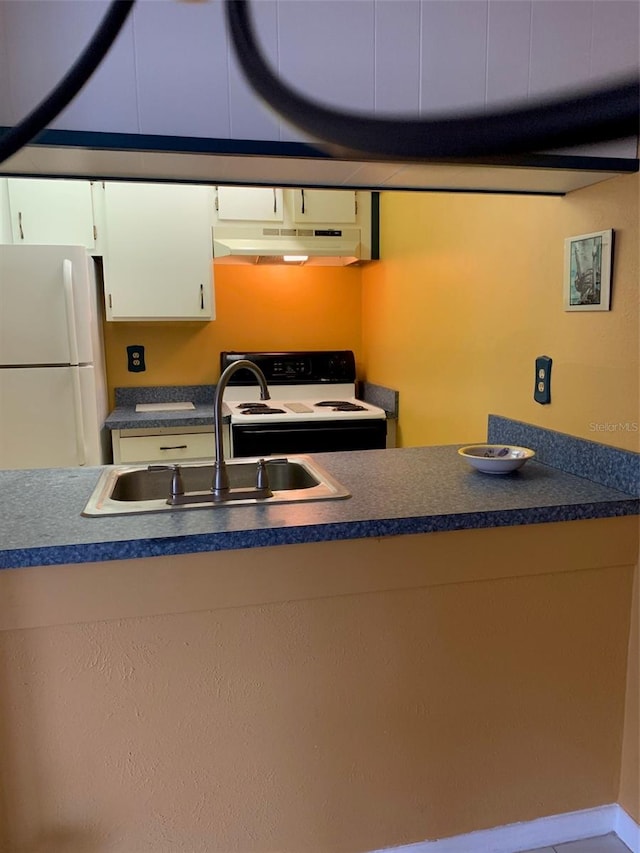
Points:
(587, 271)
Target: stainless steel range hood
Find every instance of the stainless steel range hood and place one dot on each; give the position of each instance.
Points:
(270, 244)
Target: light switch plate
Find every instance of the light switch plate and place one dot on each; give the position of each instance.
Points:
(542, 387)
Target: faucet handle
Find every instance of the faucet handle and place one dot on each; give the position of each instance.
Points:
(177, 483)
(262, 477)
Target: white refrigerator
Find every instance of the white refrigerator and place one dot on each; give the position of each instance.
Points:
(53, 394)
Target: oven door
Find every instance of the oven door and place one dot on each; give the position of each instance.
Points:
(304, 437)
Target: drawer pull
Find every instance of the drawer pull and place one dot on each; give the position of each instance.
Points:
(175, 447)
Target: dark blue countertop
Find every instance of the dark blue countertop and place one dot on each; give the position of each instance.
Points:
(394, 491)
(126, 417)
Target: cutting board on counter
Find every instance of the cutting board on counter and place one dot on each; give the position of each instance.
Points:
(164, 407)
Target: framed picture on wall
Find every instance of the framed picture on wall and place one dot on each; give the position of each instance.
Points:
(587, 271)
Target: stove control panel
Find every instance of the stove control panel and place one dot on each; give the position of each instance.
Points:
(295, 368)
(290, 368)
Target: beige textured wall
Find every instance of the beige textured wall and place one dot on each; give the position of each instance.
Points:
(317, 698)
(469, 292)
(629, 797)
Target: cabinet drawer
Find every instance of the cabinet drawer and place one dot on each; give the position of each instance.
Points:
(170, 447)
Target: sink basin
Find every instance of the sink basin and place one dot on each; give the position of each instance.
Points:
(129, 489)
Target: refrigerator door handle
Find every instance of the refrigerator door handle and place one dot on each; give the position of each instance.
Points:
(67, 278)
(77, 413)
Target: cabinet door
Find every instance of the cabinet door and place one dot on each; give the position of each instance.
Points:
(58, 213)
(158, 252)
(250, 204)
(5, 220)
(324, 206)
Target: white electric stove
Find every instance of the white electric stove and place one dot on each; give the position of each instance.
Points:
(313, 406)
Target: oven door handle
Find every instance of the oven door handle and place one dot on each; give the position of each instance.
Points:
(332, 426)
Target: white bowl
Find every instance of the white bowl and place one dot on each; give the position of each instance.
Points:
(496, 458)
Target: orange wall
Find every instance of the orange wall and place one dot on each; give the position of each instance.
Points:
(469, 292)
(629, 797)
(332, 697)
(257, 308)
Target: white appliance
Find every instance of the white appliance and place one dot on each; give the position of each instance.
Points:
(269, 225)
(271, 244)
(53, 394)
(313, 406)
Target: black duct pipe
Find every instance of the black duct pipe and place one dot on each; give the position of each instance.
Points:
(597, 116)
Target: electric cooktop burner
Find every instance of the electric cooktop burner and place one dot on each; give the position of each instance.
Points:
(341, 406)
(259, 409)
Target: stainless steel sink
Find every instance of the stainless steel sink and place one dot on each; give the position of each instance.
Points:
(129, 489)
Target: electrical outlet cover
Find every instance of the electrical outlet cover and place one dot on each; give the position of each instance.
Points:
(135, 358)
(542, 387)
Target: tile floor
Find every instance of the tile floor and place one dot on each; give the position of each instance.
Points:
(602, 844)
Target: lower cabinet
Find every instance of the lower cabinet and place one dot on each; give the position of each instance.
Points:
(166, 445)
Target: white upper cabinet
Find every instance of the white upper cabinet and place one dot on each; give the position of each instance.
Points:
(51, 212)
(291, 206)
(5, 223)
(324, 206)
(246, 204)
(158, 251)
